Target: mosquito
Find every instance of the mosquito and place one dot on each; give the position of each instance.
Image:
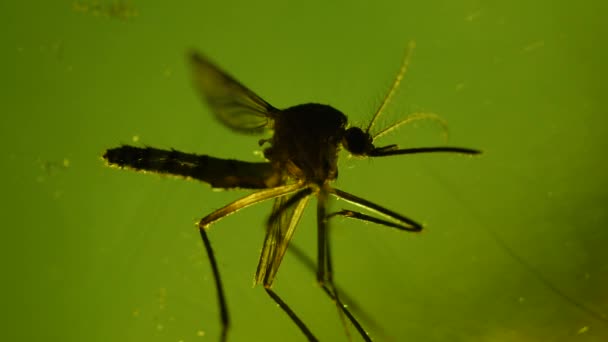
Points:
(301, 162)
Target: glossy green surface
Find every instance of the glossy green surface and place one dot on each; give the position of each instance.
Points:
(92, 253)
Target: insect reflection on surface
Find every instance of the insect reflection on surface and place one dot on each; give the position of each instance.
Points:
(302, 156)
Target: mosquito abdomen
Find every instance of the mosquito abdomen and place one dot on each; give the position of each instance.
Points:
(219, 173)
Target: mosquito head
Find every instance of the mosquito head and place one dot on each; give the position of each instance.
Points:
(357, 141)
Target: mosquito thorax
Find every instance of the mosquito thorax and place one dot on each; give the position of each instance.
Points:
(357, 142)
(306, 141)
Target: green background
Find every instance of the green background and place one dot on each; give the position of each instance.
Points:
(92, 253)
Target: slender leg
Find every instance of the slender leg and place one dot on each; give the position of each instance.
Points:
(347, 312)
(399, 220)
(224, 317)
(204, 224)
(281, 224)
(248, 200)
(321, 241)
(325, 267)
(364, 217)
(280, 228)
(288, 204)
(309, 263)
(291, 314)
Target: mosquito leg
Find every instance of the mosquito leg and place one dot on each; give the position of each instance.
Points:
(288, 204)
(204, 224)
(285, 216)
(321, 241)
(224, 317)
(325, 274)
(291, 314)
(364, 217)
(347, 312)
(309, 263)
(280, 227)
(248, 200)
(399, 221)
(324, 269)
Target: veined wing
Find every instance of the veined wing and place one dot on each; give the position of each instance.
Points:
(232, 103)
(286, 214)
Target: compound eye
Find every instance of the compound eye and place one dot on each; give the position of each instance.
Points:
(356, 141)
